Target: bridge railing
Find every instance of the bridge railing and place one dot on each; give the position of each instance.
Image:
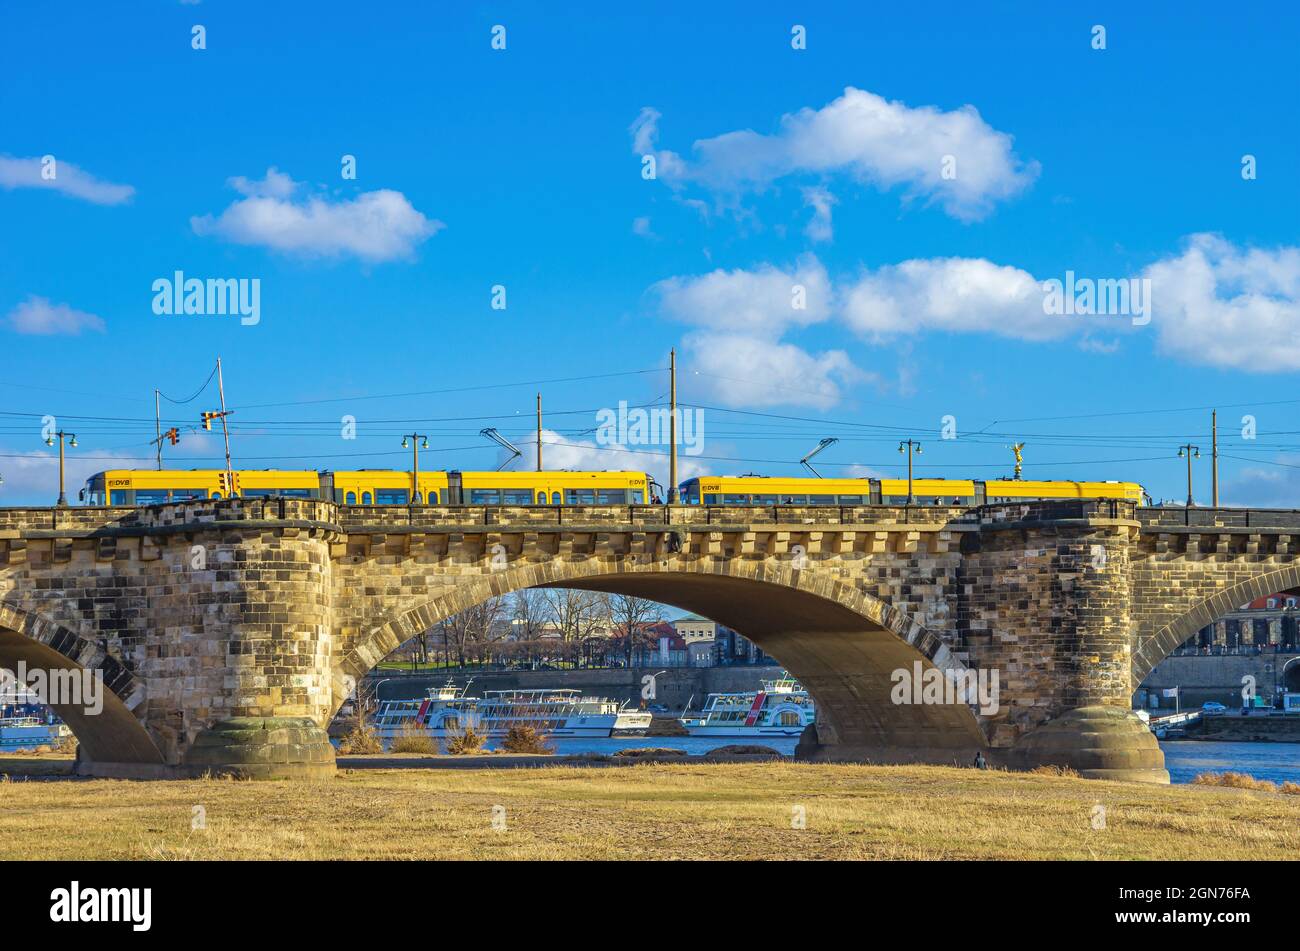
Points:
(1196, 517)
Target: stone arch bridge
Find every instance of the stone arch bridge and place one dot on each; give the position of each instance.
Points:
(229, 632)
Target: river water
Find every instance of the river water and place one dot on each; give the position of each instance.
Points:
(1278, 762)
(1184, 759)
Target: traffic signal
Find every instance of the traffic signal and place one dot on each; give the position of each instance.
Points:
(173, 436)
(207, 420)
(224, 483)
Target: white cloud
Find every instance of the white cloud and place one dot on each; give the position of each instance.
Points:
(1271, 487)
(564, 452)
(641, 227)
(38, 316)
(737, 355)
(820, 201)
(1219, 305)
(960, 295)
(883, 143)
(375, 226)
(741, 370)
(67, 178)
(764, 301)
(32, 478)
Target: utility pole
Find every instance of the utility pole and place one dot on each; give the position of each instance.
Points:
(225, 430)
(908, 446)
(206, 417)
(157, 426)
(72, 444)
(1214, 457)
(416, 440)
(1191, 452)
(672, 425)
(539, 432)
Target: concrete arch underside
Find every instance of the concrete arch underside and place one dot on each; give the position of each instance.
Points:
(841, 644)
(112, 733)
(1175, 632)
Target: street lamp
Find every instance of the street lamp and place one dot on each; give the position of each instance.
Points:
(72, 444)
(420, 442)
(1191, 452)
(909, 446)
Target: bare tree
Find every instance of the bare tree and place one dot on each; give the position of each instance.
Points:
(575, 613)
(530, 612)
(630, 616)
(468, 633)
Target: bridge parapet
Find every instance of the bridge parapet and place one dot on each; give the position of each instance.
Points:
(75, 520)
(1263, 519)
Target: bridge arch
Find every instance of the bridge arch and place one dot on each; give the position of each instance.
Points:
(1155, 648)
(111, 734)
(840, 642)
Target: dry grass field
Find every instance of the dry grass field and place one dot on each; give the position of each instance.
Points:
(650, 811)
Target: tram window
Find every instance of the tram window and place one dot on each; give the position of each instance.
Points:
(365, 498)
(118, 497)
(555, 498)
(735, 499)
(215, 495)
(350, 498)
(765, 500)
(637, 496)
(484, 496)
(611, 496)
(850, 500)
(418, 498)
(152, 496)
(516, 496)
(794, 500)
(710, 499)
(391, 496)
(433, 496)
(541, 498)
(822, 499)
(579, 496)
(273, 493)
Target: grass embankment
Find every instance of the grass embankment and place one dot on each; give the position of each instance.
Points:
(662, 811)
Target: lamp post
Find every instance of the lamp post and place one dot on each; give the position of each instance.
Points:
(1191, 452)
(909, 446)
(72, 444)
(418, 442)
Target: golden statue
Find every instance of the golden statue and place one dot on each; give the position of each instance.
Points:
(1016, 448)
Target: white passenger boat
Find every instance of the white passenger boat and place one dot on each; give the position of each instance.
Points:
(780, 708)
(448, 710)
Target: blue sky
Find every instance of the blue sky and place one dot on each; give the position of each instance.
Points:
(523, 168)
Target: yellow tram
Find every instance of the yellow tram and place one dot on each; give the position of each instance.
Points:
(762, 490)
(369, 487)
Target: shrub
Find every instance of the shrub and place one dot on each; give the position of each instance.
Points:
(525, 739)
(465, 741)
(1234, 781)
(1067, 771)
(412, 739)
(361, 741)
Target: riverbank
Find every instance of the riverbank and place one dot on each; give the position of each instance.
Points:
(654, 811)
